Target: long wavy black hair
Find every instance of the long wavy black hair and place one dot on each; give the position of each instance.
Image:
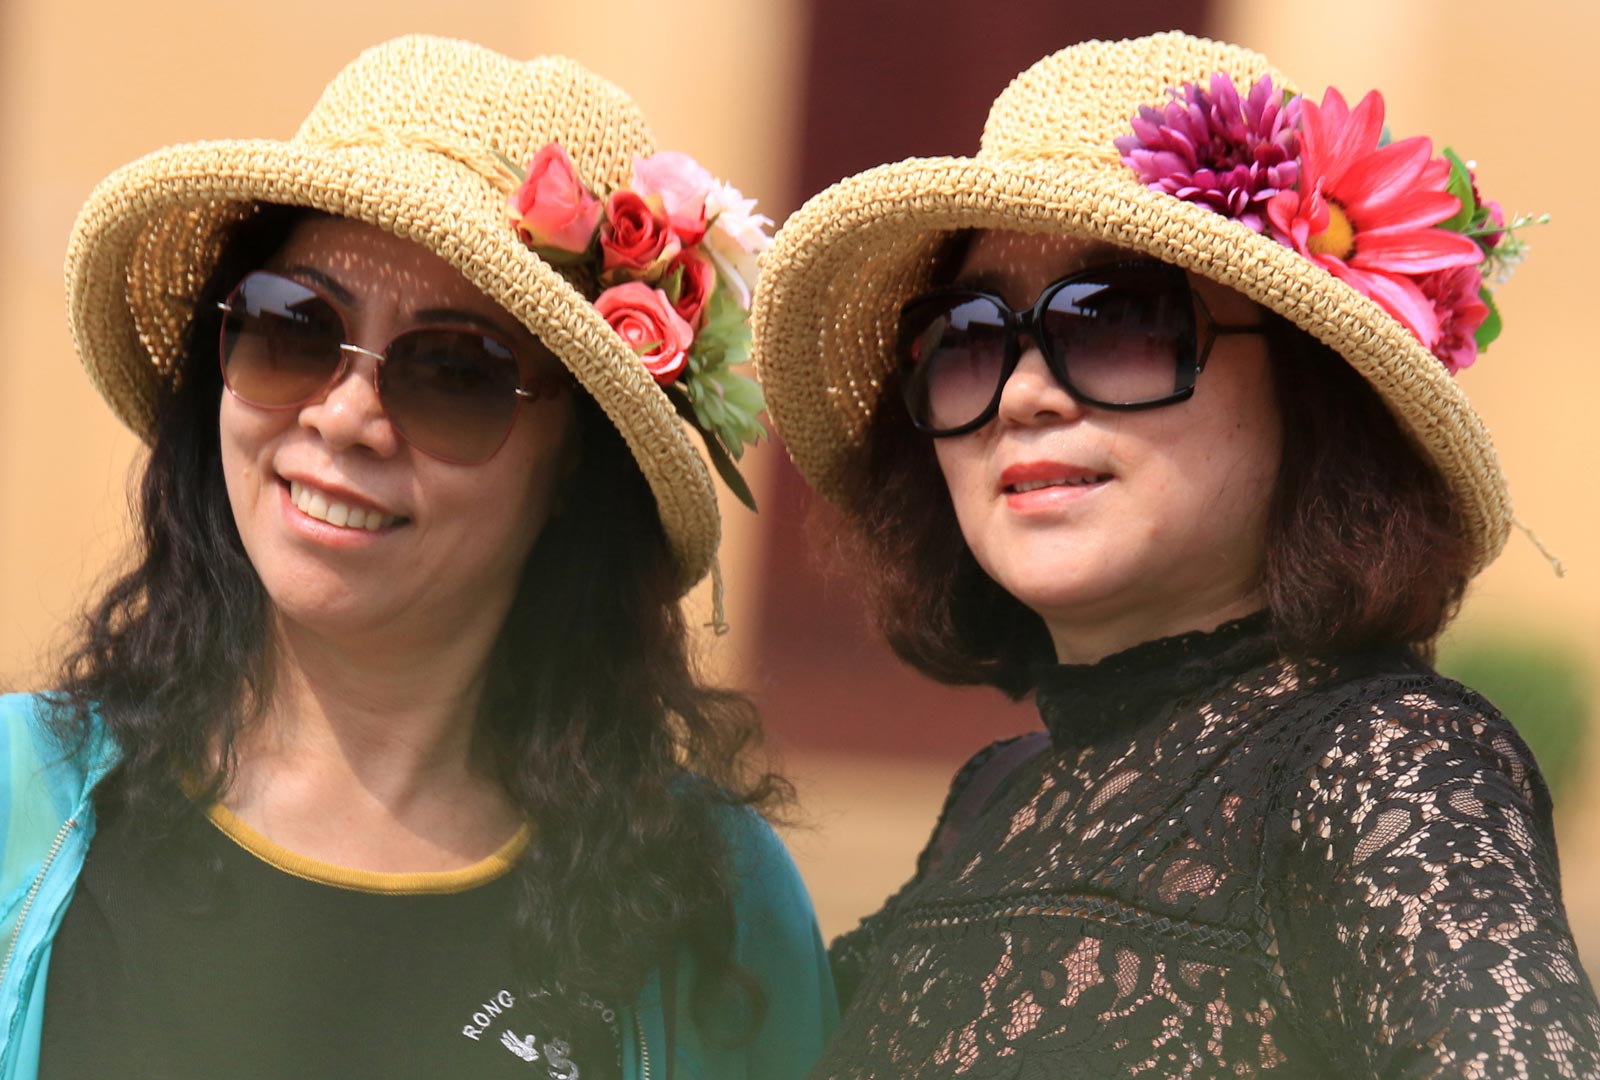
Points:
(603, 734)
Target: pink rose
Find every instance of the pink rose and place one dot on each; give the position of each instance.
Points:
(552, 208)
(636, 239)
(644, 318)
(683, 186)
(694, 286)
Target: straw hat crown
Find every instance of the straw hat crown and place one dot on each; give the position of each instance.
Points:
(413, 137)
(1076, 101)
(432, 93)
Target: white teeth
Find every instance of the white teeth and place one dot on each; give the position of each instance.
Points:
(314, 503)
(1035, 485)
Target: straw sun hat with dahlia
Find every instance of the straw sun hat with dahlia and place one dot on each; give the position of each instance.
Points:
(1195, 153)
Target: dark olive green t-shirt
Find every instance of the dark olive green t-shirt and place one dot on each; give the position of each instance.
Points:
(224, 955)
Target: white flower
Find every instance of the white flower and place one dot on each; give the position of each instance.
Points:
(736, 236)
(731, 212)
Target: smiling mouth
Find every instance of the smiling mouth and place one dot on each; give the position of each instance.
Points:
(316, 504)
(1022, 487)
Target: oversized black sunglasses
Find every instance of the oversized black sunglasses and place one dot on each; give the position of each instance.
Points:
(452, 393)
(1124, 335)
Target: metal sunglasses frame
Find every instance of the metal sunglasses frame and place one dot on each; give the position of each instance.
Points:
(543, 388)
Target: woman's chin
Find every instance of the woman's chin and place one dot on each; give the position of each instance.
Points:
(334, 612)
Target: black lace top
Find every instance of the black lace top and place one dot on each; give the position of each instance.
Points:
(1228, 864)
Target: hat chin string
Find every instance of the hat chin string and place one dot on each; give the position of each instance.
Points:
(719, 622)
(479, 159)
(1549, 556)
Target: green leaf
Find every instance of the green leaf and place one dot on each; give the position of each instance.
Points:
(730, 473)
(730, 404)
(562, 257)
(1490, 329)
(714, 448)
(672, 285)
(510, 166)
(724, 340)
(1460, 186)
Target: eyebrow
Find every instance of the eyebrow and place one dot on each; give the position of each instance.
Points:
(463, 317)
(326, 283)
(454, 316)
(989, 281)
(999, 280)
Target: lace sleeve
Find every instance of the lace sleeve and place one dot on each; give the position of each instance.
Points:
(851, 953)
(1418, 912)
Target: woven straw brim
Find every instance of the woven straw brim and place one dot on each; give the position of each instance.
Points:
(842, 266)
(150, 234)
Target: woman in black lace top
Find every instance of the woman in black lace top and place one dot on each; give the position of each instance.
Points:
(1149, 409)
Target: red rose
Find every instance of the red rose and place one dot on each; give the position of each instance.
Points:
(699, 277)
(637, 238)
(644, 318)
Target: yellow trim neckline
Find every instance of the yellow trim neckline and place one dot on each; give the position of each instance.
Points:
(432, 882)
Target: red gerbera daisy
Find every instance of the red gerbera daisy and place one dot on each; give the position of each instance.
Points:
(1368, 213)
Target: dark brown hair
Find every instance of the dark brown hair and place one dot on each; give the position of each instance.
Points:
(1363, 545)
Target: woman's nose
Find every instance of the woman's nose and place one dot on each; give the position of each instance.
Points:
(1033, 395)
(350, 414)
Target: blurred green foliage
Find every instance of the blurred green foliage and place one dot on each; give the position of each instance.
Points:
(1542, 687)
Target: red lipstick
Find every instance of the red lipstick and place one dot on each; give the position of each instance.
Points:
(1042, 485)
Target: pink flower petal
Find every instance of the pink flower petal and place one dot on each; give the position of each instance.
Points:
(1343, 136)
(1400, 297)
(1419, 251)
(1388, 174)
(1420, 210)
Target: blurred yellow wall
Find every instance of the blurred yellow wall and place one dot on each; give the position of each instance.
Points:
(87, 87)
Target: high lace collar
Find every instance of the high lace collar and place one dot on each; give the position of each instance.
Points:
(1083, 703)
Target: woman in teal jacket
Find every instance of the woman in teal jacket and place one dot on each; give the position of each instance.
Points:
(386, 756)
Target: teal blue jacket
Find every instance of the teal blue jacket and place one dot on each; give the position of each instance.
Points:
(47, 824)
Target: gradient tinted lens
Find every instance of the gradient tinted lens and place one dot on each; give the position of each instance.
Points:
(280, 342)
(952, 349)
(1124, 334)
(452, 393)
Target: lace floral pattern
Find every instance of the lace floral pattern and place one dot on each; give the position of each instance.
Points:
(1231, 864)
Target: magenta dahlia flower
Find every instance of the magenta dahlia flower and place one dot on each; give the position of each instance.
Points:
(1227, 153)
(1460, 311)
(1368, 213)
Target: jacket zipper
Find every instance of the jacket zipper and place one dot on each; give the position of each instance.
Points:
(27, 903)
(644, 1047)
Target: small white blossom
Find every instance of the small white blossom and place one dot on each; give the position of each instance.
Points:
(736, 237)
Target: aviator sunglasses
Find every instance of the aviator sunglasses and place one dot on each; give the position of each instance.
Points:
(451, 393)
(1125, 335)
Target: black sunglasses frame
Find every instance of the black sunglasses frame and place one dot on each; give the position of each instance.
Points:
(542, 388)
(1190, 361)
